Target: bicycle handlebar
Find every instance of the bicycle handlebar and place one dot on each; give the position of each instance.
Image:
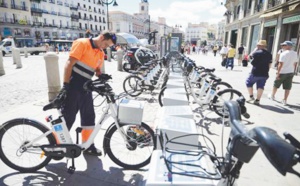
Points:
(282, 155)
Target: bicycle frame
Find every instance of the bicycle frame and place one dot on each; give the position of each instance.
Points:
(111, 106)
(206, 85)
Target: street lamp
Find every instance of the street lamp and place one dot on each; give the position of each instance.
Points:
(177, 27)
(107, 2)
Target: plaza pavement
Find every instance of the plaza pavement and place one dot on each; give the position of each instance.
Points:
(23, 92)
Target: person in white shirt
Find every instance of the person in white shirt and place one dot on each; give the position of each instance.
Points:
(286, 68)
(224, 51)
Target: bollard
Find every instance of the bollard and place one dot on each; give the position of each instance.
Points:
(52, 71)
(119, 54)
(108, 53)
(25, 52)
(18, 58)
(103, 67)
(2, 71)
(13, 55)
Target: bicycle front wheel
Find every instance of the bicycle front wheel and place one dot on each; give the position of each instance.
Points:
(132, 86)
(137, 152)
(14, 135)
(221, 97)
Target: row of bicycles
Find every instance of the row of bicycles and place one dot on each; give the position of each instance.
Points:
(27, 145)
(210, 92)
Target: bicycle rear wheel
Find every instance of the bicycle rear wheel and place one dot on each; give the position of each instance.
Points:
(221, 97)
(132, 86)
(135, 156)
(14, 135)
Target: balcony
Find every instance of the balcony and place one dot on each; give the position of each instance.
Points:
(18, 7)
(3, 5)
(46, 12)
(60, 3)
(73, 7)
(272, 3)
(63, 14)
(37, 24)
(67, 4)
(52, 1)
(86, 18)
(75, 27)
(36, 10)
(53, 13)
(82, 8)
(74, 17)
(38, 1)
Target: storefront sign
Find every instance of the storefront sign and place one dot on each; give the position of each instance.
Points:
(291, 19)
(270, 23)
(6, 32)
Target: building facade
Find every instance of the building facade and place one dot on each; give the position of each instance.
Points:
(195, 33)
(272, 20)
(35, 21)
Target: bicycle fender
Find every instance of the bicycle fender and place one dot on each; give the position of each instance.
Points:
(24, 120)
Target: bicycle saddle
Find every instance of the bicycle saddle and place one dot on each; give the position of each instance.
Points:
(214, 78)
(278, 151)
(56, 103)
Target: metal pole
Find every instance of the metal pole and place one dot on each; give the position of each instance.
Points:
(107, 14)
(149, 24)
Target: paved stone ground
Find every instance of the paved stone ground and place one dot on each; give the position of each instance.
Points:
(23, 92)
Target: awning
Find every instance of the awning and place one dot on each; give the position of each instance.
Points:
(292, 7)
(276, 12)
(125, 38)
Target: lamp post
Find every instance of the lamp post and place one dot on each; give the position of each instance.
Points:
(107, 2)
(177, 27)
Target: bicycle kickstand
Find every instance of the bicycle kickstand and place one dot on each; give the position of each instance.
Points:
(72, 168)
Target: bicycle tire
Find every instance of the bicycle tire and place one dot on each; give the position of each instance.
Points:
(117, 149)
(227, 85)
(161, 95)
(218, 102)
(22, 128)
(132, 87)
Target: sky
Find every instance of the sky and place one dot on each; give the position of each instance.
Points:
(177, 12)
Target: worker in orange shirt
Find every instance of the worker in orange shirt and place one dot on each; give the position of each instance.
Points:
(85, 59)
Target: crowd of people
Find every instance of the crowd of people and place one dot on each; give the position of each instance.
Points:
(261, 60)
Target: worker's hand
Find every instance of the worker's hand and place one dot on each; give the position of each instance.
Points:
(104, 77)
(62, 95)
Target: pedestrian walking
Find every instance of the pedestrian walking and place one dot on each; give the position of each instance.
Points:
(277, 56)
(215, 49)
(230, 57)
(85, 59)
(261, 62)
(224, 51)
(240, 54)
(285, 72)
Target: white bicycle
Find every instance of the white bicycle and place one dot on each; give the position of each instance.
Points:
(27, 145)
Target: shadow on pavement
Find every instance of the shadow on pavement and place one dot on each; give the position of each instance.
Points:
(206, 125)
(279, 109)
(57, 175)
(37, 178)
(294, 107)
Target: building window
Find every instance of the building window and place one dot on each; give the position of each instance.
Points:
(46, 35)
(26, 33)
(142, 8)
